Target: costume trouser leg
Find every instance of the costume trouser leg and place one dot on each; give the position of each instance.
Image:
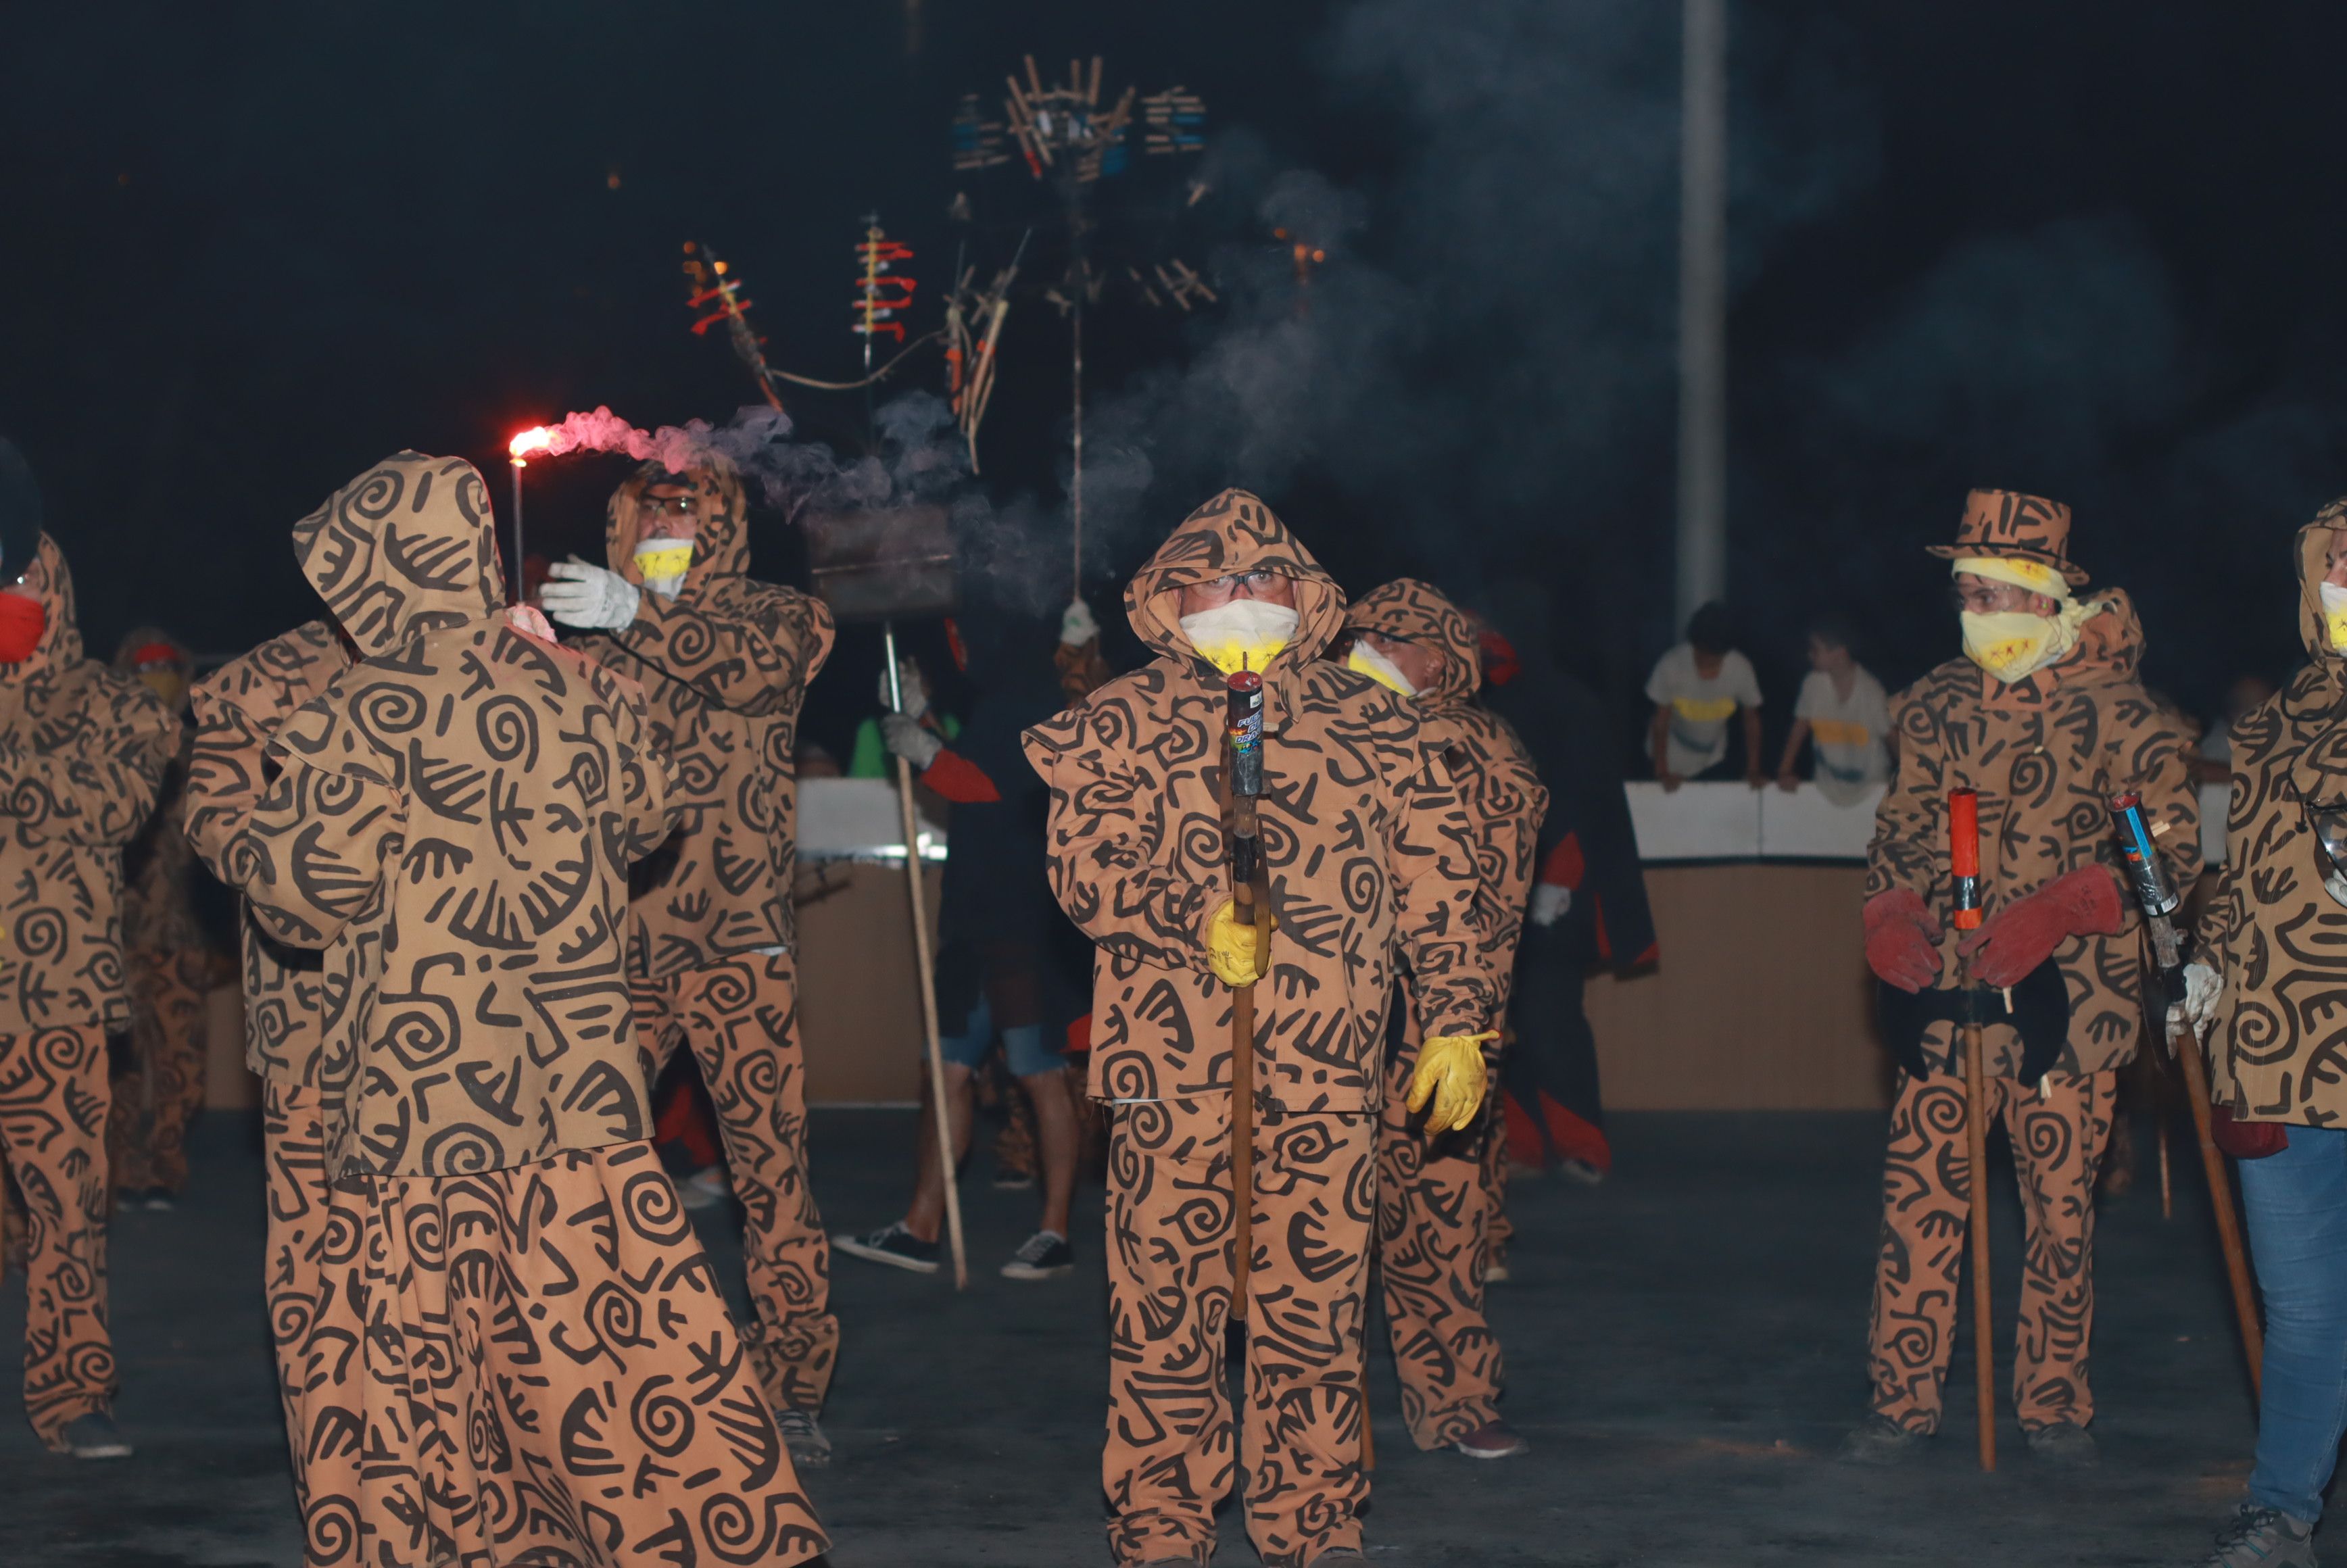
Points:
(1430, 1239)
(53, 1113)
(741, 1015)
(1169, 1458)
(313, 1323)
(2057, 1141)
(554, 1341)
(147, 1135)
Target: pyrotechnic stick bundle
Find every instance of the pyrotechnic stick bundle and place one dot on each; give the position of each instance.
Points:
(1173, 121)
(882, 293)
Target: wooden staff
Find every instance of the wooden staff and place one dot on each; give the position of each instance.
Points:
(2220, 1197)
(1963, 864)
(919, 893)
(1244, 768)
(2159, 905)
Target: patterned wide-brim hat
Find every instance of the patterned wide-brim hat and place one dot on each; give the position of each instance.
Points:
(2007, 525)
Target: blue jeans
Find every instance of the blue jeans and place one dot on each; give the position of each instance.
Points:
(1023, 1044)
(2297, 1202)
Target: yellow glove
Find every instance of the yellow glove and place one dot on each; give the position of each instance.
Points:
(1236, 952)
(1450, 1073)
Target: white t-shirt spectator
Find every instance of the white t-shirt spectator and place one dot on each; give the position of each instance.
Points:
(1700, 708)
(1850, 736)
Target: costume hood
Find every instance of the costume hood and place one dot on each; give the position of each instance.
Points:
(1416, 611)
(721, 534)
(2313, 545)
(404, 548)
(1234, 532)
(61, 646)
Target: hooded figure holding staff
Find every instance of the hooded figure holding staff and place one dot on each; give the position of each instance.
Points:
(1434, 1202)
(547, 1371)
(2044, 719)
(724, 661)
(1369, 857)
(2267, 991)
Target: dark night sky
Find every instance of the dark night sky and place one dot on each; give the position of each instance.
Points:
(2087, 250)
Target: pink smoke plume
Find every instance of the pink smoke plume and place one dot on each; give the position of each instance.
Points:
(677, 449)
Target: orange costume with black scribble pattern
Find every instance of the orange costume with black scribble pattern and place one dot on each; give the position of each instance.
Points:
(172, 965)
(725, 667)
(82, 754)
(544, 1370)
(2270, 930)
(2046, 754)
(1435, 1199)
(1369, 855)
(313, 1326)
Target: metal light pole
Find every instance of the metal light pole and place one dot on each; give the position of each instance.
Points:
(1702, 307)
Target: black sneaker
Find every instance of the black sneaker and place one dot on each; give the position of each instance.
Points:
(2065, 1445)
(810, 1449)
(892, 1245)
(161, 1201)
(1045, 1254)
(93, 1436)
(1879, 1440)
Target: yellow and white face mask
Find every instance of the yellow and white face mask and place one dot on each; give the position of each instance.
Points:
(1378, 667)
(2014, 644)
(662, 563)
(1245, 634)
(2335, 615)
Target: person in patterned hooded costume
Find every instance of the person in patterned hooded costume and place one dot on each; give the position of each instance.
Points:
(544, 1370)
(2044, 716)
(1368, 851)
(239, 708)
(82, 753)
(1433, 1196)
(724, 663)
(2267, 989)
(172, 961)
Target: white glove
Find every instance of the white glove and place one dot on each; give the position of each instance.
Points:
(905, 736)
(577, 594)
(1551, 901)
(2203, 988)
(1077, 627)
(917, 692)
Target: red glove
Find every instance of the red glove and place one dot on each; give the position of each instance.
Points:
(2024, 933)
(1900, 939)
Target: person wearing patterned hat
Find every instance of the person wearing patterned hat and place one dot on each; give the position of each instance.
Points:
(2045, 718)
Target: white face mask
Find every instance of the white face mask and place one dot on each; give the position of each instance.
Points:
(1378, 667)
(2335, 618)
(1245, 634)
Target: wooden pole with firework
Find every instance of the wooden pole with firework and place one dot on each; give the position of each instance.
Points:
(1066, 135)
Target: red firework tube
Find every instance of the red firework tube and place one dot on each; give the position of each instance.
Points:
(1964, 856)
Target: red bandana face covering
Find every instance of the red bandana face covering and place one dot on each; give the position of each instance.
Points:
(21, 621)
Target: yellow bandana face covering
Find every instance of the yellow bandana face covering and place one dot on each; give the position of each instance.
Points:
(1245, 634)
(662, 563)
(2014, 644)
(2334, 614)
(1378, 667)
